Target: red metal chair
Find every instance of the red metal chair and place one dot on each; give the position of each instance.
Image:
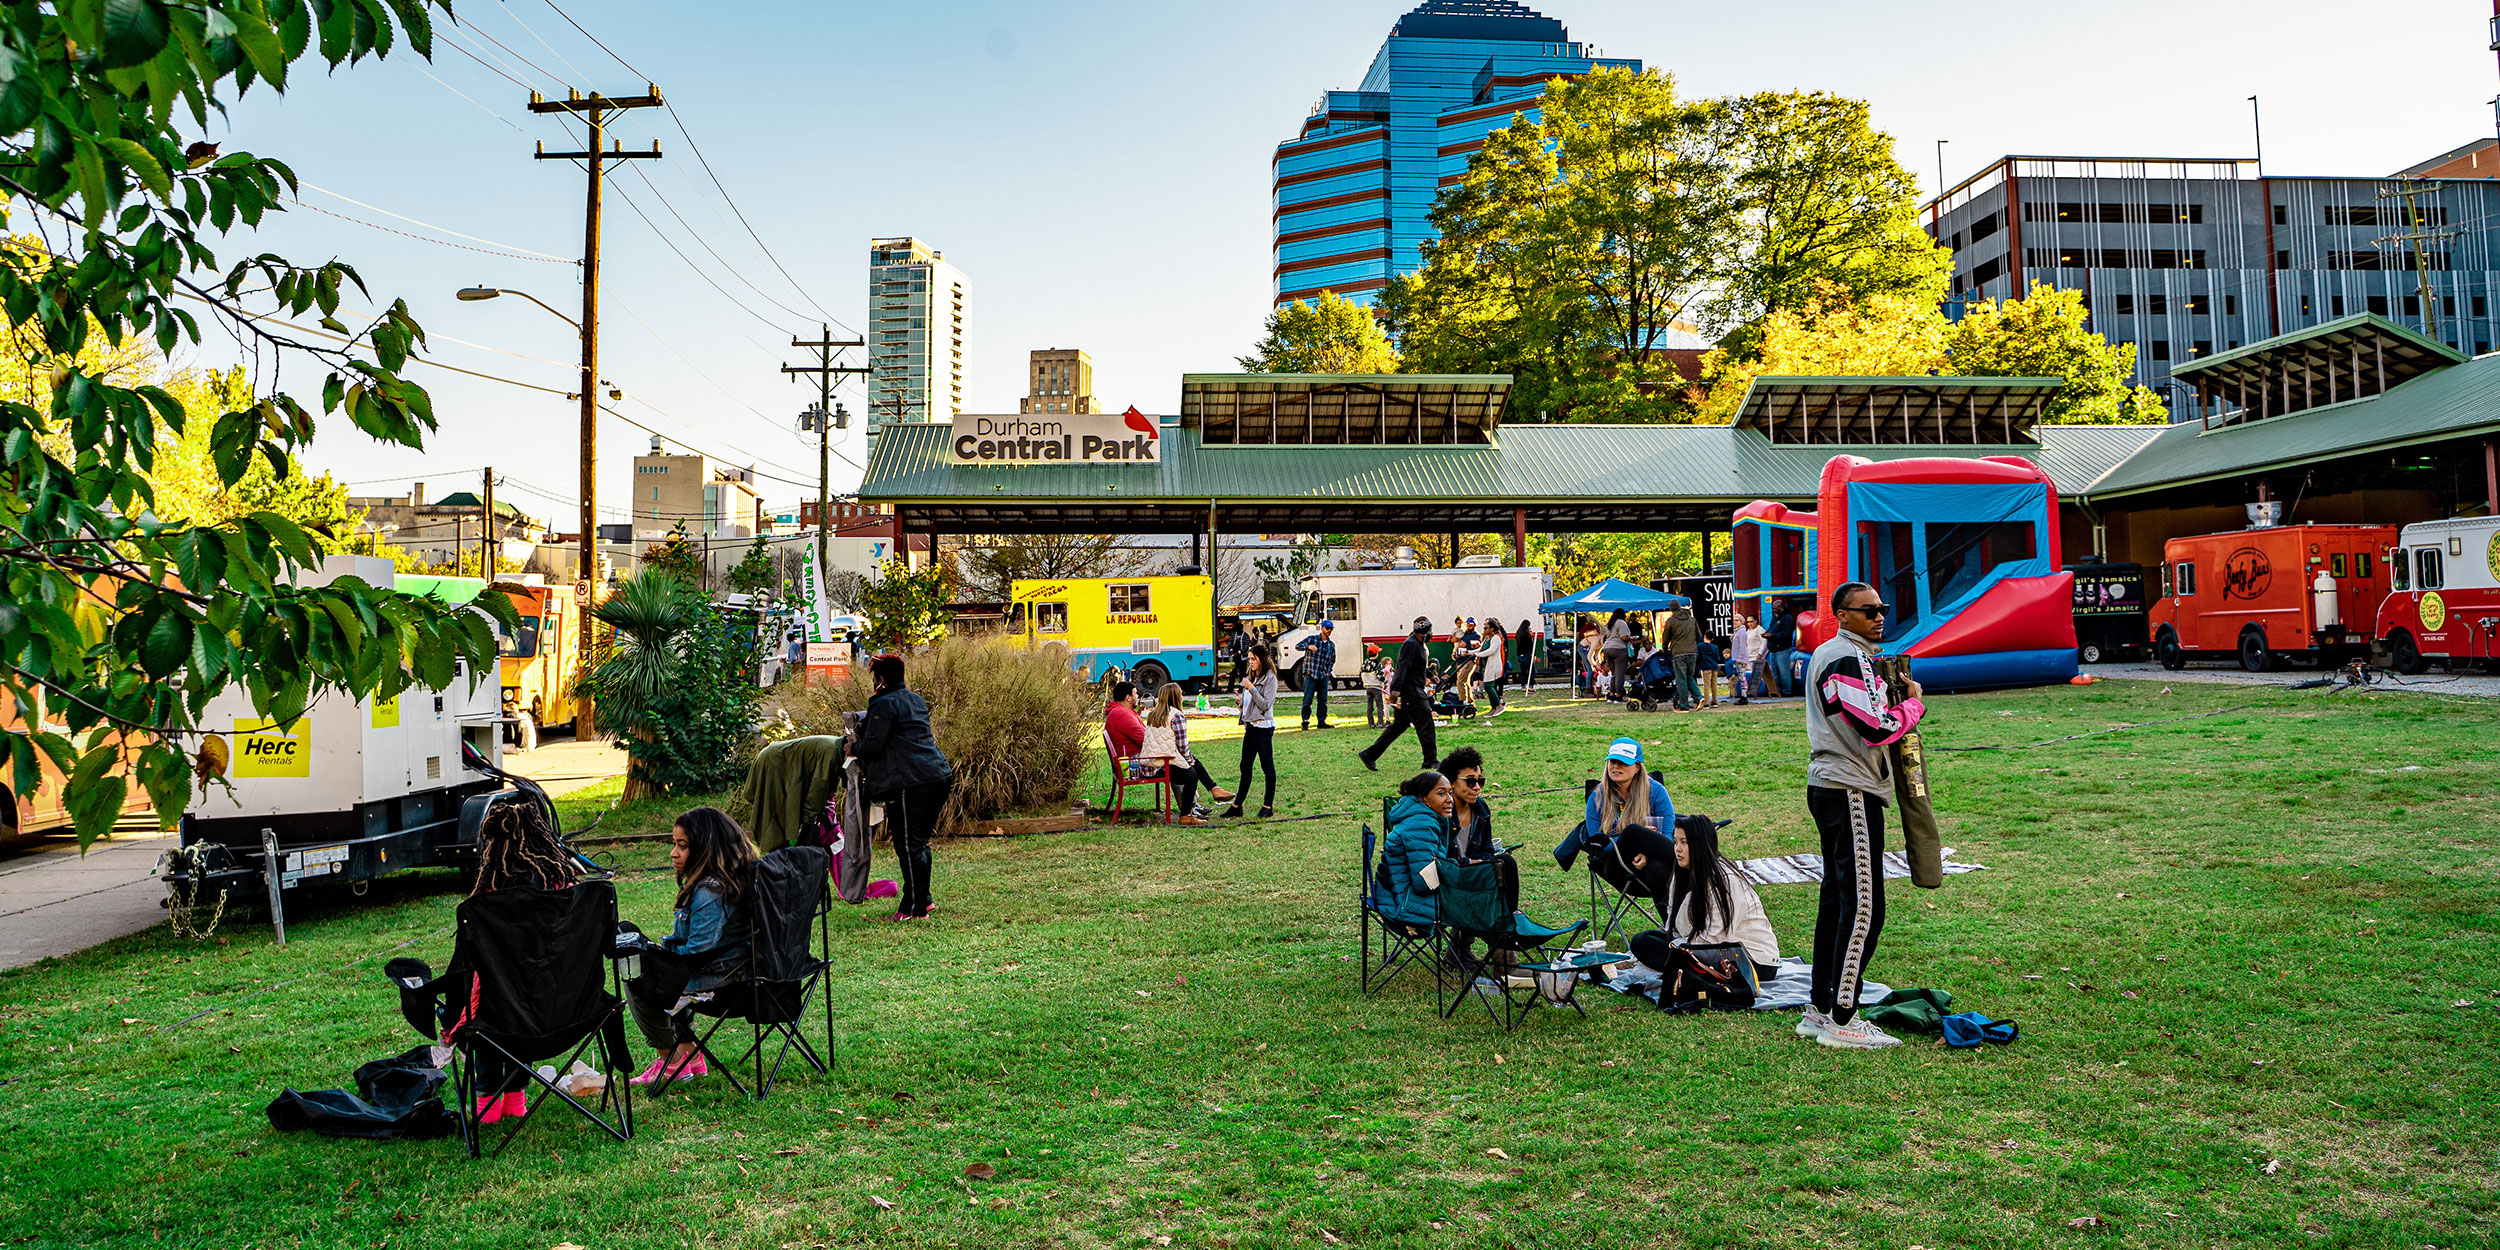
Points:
(1121, 783)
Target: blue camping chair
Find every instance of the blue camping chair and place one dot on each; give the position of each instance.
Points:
(1388, 947)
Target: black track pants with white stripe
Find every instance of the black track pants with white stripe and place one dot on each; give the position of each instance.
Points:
(1851, 913)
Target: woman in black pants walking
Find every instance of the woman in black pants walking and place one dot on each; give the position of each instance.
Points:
(902, 768)
(1258, 728)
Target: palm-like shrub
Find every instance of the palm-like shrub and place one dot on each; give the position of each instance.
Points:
(675, 686)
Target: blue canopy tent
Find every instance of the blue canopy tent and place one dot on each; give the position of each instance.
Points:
(1614, 593)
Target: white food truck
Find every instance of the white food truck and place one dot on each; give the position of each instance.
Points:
(353, 790)
(1380, 606)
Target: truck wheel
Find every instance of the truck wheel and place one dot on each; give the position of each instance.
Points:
(2405, 655)
(2091, 653)
(2166, 649)
(8, 814)
(1150, 676)
(2254, 656)
(1291, 678)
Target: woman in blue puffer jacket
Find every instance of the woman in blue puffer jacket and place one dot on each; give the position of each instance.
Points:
(1419, 830)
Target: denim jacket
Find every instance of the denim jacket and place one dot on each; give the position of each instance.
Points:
(711, 933)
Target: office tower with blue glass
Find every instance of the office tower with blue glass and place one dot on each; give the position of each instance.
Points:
(915, 334)
(1354, 189)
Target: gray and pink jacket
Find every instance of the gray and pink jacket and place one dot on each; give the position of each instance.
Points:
(1850, 720)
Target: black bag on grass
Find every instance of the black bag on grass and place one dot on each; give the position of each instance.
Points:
(397, 1097)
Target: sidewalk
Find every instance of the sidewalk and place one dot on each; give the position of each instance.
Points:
(53, 901)
(563, 766)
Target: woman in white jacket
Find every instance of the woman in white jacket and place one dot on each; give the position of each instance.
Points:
(1709, 902)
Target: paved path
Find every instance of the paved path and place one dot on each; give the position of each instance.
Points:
(54, 901)
(2436, 681)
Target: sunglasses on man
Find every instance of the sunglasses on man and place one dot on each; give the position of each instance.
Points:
(1870, 609)
(1472, 779)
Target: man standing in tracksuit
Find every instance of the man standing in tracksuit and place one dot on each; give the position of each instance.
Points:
(1849, 722)
(1410, 700)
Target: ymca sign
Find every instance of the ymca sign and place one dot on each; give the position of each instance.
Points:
(1058, 438)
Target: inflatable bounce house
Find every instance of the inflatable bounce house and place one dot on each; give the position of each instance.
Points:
(1965, 551)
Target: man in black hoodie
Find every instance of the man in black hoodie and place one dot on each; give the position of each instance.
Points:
(901, 767)
(1410, 698)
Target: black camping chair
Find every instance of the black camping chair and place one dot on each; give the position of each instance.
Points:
(788, 894)
(1479, 902)
(1400, 943)
(1625, 866)
(526, 985)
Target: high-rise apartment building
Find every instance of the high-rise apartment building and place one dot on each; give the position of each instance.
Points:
(2185, 258)
(915, 334)
(1354, 188)
(1061, 380)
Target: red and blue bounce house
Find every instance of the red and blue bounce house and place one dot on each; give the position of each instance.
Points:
(1965, 551)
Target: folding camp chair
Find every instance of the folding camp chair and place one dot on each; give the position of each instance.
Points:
(526, 985)
(1627, 874)
(770, 990)
(1480, 903)
(1400, 942)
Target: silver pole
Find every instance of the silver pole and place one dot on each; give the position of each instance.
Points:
(269, 867)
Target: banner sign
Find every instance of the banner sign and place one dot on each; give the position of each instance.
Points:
(1057, 438)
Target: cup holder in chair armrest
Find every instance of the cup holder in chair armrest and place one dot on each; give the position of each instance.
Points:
(408, 974)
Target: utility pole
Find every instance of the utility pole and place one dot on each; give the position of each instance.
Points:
(825, 371)
(2417, 235)
(486, 531)
(593, 110)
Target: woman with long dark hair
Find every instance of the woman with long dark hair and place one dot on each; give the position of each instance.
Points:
(1709, 902)
(707, 942)
(901, 767)
(1258, 728)
(517, 849)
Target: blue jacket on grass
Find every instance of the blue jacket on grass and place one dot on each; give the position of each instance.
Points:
(1417, 836)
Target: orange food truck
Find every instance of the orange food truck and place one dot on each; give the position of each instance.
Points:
(2443, 600)
(39, 811)
(2270, 592)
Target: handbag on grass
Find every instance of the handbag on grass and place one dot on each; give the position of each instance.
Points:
(1716, 977)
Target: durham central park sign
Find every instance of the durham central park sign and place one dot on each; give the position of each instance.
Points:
(1058, 438)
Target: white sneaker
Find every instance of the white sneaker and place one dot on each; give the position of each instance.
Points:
(1815, 1024)
(1858, 1034)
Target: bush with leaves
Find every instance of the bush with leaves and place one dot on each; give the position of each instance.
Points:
(676, 685)
(1019, 725)
(112, 620)
(755, 573)
(906, 609)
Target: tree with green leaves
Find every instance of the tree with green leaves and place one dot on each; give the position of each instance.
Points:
(991, 564)
(676, 686)
(1625, 217)
(115, 622)
(1579, 561)
(1326, 335)
(676, 556)
(2048, 334)
(755, 573)
(907, 608)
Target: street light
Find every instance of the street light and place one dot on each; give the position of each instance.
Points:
(472, 294)
(583, 722)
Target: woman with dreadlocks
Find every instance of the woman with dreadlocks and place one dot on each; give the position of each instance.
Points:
(715, 863)
(516, 850)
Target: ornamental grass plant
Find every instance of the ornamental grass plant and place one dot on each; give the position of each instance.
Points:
(1019, 725)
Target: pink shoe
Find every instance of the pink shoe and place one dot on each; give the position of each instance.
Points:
(515, 1105)
(650, 1075)
(489, 1108)
(695, 1069)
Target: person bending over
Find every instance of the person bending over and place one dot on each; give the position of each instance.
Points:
(1849, 722)
(901, 767)
(1419, 825)
(715, 864)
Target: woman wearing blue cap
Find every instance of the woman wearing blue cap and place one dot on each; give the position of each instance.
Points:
(1628, 796)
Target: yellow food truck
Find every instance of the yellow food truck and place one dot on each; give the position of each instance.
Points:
(541, 661)
(1156, 629)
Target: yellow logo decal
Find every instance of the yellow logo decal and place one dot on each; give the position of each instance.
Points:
(2491, 554)
(2434, 611)
(260, 750)
(386, 713)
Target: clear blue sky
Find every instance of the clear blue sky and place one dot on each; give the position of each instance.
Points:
(1100, 171)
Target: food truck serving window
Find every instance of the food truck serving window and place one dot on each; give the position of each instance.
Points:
(1050, 618)
(2427, 573)
(1341, 609)
(2183, 576)
(1131, 597)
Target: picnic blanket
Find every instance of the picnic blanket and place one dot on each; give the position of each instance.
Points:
(1800, 869)
(1788, 991)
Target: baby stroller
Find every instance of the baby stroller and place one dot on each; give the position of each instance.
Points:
(1445, 700)
(1653, 683)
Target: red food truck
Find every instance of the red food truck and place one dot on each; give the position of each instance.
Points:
(2443, 597)
(2271, 592)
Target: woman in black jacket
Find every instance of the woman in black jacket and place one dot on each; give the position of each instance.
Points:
(902, 768)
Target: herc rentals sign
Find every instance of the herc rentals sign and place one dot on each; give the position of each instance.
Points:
(1058, 438)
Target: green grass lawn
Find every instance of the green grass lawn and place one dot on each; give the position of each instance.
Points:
(2238, 946)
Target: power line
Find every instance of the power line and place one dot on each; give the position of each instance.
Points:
(697, 236)
(594, 39)
(483, 251)
(525, 253)
(566, 61)
(699, 272)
